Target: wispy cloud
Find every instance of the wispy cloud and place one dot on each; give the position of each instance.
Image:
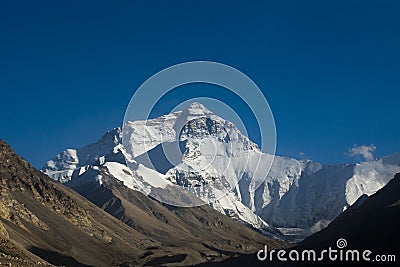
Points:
(364, 151)
(318, 226)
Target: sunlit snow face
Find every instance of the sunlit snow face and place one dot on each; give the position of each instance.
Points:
(199, 153)
(198, 156)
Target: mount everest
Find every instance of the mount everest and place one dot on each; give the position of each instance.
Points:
(197, 152)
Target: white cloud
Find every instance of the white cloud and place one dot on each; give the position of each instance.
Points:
(364, 151)
(302, 155)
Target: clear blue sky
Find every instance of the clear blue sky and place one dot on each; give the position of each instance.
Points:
(329, 69)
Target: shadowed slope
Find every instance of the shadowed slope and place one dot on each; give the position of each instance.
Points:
(212, 235)
(44, 217)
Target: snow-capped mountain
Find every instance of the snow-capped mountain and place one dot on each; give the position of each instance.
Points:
(204, 154)
(77, 167)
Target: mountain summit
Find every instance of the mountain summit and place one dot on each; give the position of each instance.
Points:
(197, 109)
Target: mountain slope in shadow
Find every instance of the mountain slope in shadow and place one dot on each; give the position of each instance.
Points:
(44, 223)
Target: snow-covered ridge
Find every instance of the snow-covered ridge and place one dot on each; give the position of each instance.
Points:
(297, 194)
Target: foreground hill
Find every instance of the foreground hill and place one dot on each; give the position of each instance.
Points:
(43, 222)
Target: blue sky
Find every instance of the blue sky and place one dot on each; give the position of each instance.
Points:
(329, 69)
